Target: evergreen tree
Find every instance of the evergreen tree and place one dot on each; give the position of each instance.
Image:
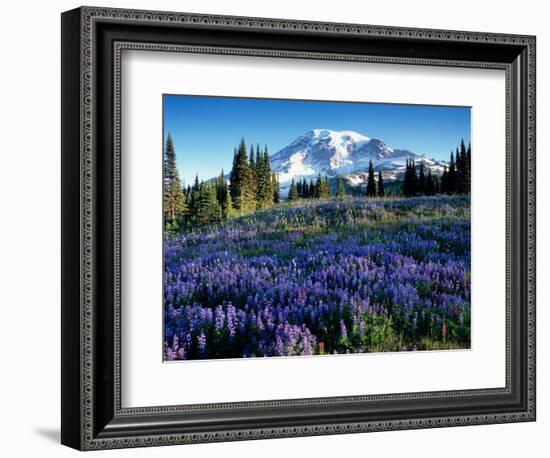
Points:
(253, 166)
(407, 186)
(414, 179)
(209, 208)
(406, 179)
(242, 183)
(325, 188)
(381, 190)
(410, 182)
(300, 189)
(305, 189)
(221, 187)
(422, 188)
(467, 170)
(178, 205)
(459, 166)
(430, 184)
(469, 158)
(169, 161)
(452, 175)
(252, 160)
(444, 183)
(312, 189)
(227, 210)
(276, 188)
(258, 177)
(438, 185)
(224, 197)
(193, 198)
(259, 159)
(174, 202)
(318, 186)
(263, 180)
(232, 177)
(293, 191)
(340, 192)
(462, 168)
(371, 184)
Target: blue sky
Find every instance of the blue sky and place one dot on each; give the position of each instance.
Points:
(206, 129)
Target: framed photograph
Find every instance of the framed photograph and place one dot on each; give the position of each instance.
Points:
(276, 228)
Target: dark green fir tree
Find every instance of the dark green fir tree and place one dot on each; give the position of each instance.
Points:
(381, 190)
(293, 191)
(371, 183)
(174, 201)
(421, 180)
(340, 191)
(242, 183)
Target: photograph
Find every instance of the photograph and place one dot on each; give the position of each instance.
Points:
(311, 228)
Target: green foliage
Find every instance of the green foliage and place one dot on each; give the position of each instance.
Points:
(264, 186)
(293, 191)
(445, 181)
(452, 175)
(381, 190)
(253, 165)
(340, 192)
(210, 210)
(421, 188)
(174, 203)
(379, 335)
(463, 169)
(252, 186)
(410, 182)
(241, 182)
(430, 184)
(312, 188)
(321, 188)
(455, 179)
(371, 183)
(276, 188)
(223, 196)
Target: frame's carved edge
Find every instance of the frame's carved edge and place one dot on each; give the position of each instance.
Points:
(91, 12)
(300, 431)
(88, 16)
(87, 234)
(531, 229)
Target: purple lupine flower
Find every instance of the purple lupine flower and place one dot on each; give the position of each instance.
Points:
(201, 343)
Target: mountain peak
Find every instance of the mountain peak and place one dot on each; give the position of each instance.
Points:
(343, 153)
(335, 135)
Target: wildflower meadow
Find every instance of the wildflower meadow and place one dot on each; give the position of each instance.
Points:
(321, 277)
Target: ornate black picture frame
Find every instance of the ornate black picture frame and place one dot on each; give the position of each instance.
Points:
(92, 42)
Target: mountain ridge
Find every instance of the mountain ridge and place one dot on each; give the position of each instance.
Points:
(346, 154)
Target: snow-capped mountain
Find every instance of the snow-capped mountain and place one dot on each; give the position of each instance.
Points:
(343, 153)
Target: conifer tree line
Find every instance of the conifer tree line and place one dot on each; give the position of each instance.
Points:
(312, 189)
(320, 187)
(375, 188)
(252, 183)
(252, 186)
(454, 180)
